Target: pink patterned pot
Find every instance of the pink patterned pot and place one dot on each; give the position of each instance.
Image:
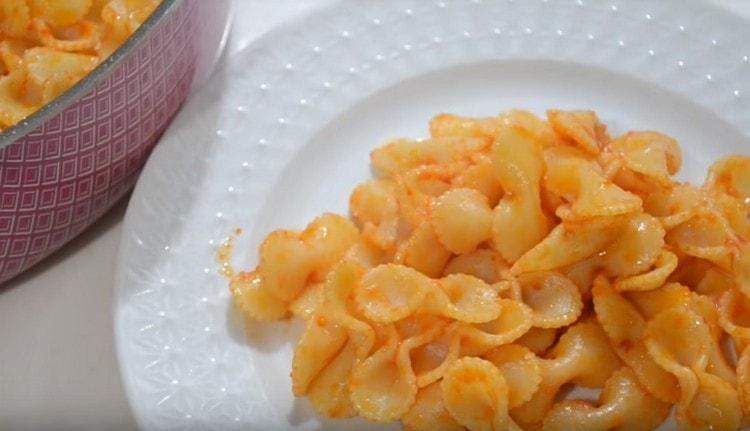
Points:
(66, 164)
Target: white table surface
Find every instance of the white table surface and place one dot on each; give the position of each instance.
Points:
(58, 368)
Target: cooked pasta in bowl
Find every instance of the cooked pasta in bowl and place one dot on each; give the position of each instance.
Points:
(49, 45)
(498, 263)
(86, 89)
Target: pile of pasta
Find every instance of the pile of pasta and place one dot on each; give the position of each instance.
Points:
(46, 46)
(503, 261)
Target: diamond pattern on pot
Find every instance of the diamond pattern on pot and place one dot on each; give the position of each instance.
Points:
(58, 179)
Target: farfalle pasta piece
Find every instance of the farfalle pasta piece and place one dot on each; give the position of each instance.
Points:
(538, 340)
(253, 299)
(290, 260)
(404, 154)
(570, 242)
(664, 266)
(485, 264)
(651, 303)
(734, 317)
(582, 356)
(318, 345)
(476, 395)
(581, 127)
(540, 130)
(417, 189)
(462, 219)
(637, 247)
(388, 293)
(623, 405)
(518, 222)
(339, 303)
(652, 155)
(552, 202)
(481, 177)
(454, 126)
(714, 406)
(609, 163)
(419, 323)
(14, 17)
(59, 13)
(87, 35)
(430, 360)
(515, 320)
(714, 283)
(581, 183)
(329, 237)
(718, 362)
(674, 295)
(306, 304)
(423, 251)
(675, 205)
(122, 18)
(125, 16)
(432, 349)
(706, 401)
(329, 391)
(317, 358)
(734, 211)
(449, 125)
(11, 54)
(428, 412)
(554, 300)
(731, 175)
(521, 370)
(383, 387)
(626, 327)
(706, 236)
(375, 206)
(366, 254)
(582, 274)
(707, 309)
(12, 110)
(464, 298)
(50, 72)
(285, 264)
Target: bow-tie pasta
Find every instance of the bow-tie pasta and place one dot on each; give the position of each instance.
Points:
(499, 263)
(623, 404)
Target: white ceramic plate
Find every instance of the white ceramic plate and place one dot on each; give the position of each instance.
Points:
(284, 132)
